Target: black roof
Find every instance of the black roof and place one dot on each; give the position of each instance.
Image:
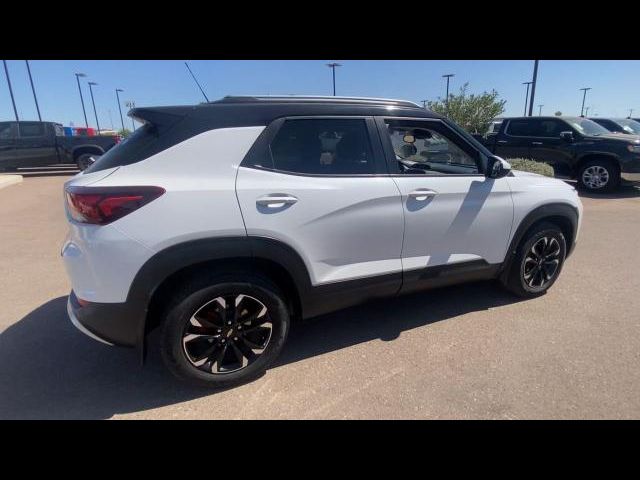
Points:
(260, 111)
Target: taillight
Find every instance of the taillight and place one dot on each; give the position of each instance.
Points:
(103, 205)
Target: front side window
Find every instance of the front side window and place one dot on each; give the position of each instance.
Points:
(420, 148)
(31, 129)
(586, 126)
(323, 147)
(5, 131)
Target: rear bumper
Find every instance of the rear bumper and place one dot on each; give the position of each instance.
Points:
(111, 323)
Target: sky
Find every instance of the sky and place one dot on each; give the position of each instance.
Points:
(614, 84)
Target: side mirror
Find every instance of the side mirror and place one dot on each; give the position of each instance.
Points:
(497, 167)
(567, 136)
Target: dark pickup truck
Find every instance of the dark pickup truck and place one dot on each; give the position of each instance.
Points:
(576, 147)
(37, 144)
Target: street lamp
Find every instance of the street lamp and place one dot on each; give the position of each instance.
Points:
(540, 110)
(333, 66)
(78, 75)
(526, 99)
(586, 112)
(131, 104)
(33, 90)
(95, 112)
(630, 112)
(584, 95)
(6, 72)
(448, 77)
(119, 107)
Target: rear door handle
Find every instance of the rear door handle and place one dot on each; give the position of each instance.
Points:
(502, 141)
(536, 143)
(421, 194)
(276, 200)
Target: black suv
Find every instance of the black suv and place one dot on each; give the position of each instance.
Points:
(619, 125)
(576, 147)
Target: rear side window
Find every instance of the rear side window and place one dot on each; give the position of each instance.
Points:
(31, 129)
(323, 147)
(6, 132)
(138, 146)
(520, 128)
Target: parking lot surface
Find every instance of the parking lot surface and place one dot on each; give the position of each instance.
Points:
(469, 351)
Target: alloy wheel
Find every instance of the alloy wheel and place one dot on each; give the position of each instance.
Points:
(227, 334)
(541, 262)
(595, 177)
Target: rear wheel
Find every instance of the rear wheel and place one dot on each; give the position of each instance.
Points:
(538, 261)
(599, 175)
(224, 331)
(84, 161)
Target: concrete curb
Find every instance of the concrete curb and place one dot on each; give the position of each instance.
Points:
(6, 180)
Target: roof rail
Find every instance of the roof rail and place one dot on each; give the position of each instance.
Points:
(314, 99)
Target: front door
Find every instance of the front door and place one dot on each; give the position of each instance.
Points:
(454, 216)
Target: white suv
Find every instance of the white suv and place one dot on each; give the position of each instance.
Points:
(225, 221)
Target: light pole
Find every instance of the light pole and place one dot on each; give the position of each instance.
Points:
(95, 112)
(333, 66)
(78, 75)
(448, 77)
(131, 104)
(533, 86)
(33, 90)
(540, 110)
(119, 107)
(586, 112)
(584, 96)
(526, 99)
(630, 112)
(6, 72)
(424, 103)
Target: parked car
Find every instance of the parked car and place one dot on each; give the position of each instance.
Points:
(619, 125)
(222, 223)
(576, 147)
(37, 144)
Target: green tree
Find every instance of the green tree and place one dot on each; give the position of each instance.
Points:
(124, 133)
(558, 113)
(472, 112)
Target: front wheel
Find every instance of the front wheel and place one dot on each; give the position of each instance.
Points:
(599, 175)
(538, 261)
(224, 331)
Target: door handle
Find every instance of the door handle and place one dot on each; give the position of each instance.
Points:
(276, 201)
(502, 141)
(421, 194)
(536, 143)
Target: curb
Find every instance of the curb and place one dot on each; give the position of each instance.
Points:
(6, 180)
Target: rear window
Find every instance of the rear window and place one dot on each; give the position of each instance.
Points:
(143, 143)
(31, 129)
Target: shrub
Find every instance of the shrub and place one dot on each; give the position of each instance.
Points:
(531, 166)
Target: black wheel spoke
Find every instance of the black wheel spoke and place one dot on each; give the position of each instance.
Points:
(220, 357)
(246, 351)
(230, 309)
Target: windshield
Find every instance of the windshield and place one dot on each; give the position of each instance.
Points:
(586, 126)
(629, 125)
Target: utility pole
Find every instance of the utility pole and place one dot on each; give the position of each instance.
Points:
(448, 77)
(95, 112)
(586, 112)
(540, 110)
(584, 96)
(533, 86)
(131, 104)
(33, 90)
(526, 99)
(333, 66)
(78, 75)
(119, 107)
(13, 101)
(424, 103)
(630, 112)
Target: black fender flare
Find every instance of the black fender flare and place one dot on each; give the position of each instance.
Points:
(563, 210)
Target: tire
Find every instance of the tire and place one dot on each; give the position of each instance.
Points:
(599, 175)
(83, 161)
(196, 325)
(529, 279)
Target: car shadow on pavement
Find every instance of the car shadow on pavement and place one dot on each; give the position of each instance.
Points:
(48, 369)
(624, 191)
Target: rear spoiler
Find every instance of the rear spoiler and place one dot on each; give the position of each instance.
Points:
(159, 116)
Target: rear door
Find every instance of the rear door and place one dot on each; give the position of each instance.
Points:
(7, 143)
(513, 141)
(320, 185)
(548, 147)
(36, 145)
